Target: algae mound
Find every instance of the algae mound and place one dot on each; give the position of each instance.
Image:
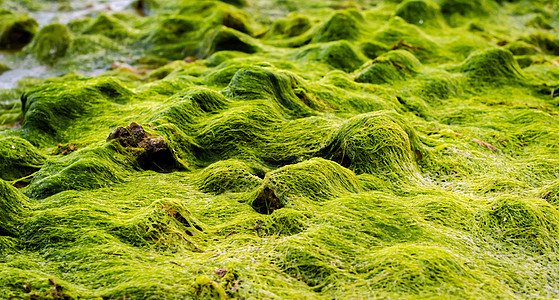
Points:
(280, 150)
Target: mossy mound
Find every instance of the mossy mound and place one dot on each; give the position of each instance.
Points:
(109, 26)
(340, 55)
(522, 48)
(375, 143)
(18, 158)
(50, 109)
(291, 26)
(51, 43)
(16, 30)
(399, 34)
(81, 170)
(421, 13)
(279, 88)
(425, 271)
(287, 221)
(315, 179)
(373, 49)
(546, 42)
(160, 226)
(229, 176)
(3, 68)
(529, 223)
(12, 207)
(492, 66)
(389, 68)
(465, 7)
(224, 38)
(342, 25)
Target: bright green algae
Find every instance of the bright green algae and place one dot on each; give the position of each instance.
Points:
(286, 150)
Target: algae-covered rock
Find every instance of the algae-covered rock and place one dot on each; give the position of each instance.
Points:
(224, 38)
(12, 205)
(51, 43)
(522, 48)
(420, 13)
(229, 176)
(316, 179)
(465, 7)
(16, 31)
(109, 26)
(546, 42)
(401, 35)
(3, 68)
(18, 158)
(492, 66)
(291, 26)
(50, 109)
(375, 143)
(260, 83)
(81, 170)
(162, 225)
(425, 271)
(287, 221)
(173, 29)
(390, 67)
(373, 49)
(343, 25)
(529, 223)
(340, 55)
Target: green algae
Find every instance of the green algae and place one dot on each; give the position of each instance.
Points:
(51, 43)
(16, 30)
(272, 160)
(19, 158)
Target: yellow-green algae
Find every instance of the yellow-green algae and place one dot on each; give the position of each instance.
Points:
(284, 150)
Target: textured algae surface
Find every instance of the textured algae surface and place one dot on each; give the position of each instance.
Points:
(282, 150)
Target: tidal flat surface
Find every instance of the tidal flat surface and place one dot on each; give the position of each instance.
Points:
(279, 149)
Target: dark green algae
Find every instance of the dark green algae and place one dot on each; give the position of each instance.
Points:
(286, 150)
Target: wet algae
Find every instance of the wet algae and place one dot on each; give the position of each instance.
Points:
(282, 150)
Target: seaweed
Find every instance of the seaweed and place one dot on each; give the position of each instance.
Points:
(339, 54)
(13, 208)
(421, 13)
(375, 143)
(315, 179)
(492, 66)
(16, 31)
(224, 38)
(390, 67)
(19, 158)
(282, 149)
(51, 43)
(342, 25)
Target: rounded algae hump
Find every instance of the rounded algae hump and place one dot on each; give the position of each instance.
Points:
(340, 55)
(342, 25)
(420, 12)
(11, 207)
(16, 30)
(390, 67)
(492, 65)
(294, 185)
(375, 143)
(51, 43)
(529, 223)
(229, 176)
(18, 158)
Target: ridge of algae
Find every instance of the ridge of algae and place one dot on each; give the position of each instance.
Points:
(283, 150)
